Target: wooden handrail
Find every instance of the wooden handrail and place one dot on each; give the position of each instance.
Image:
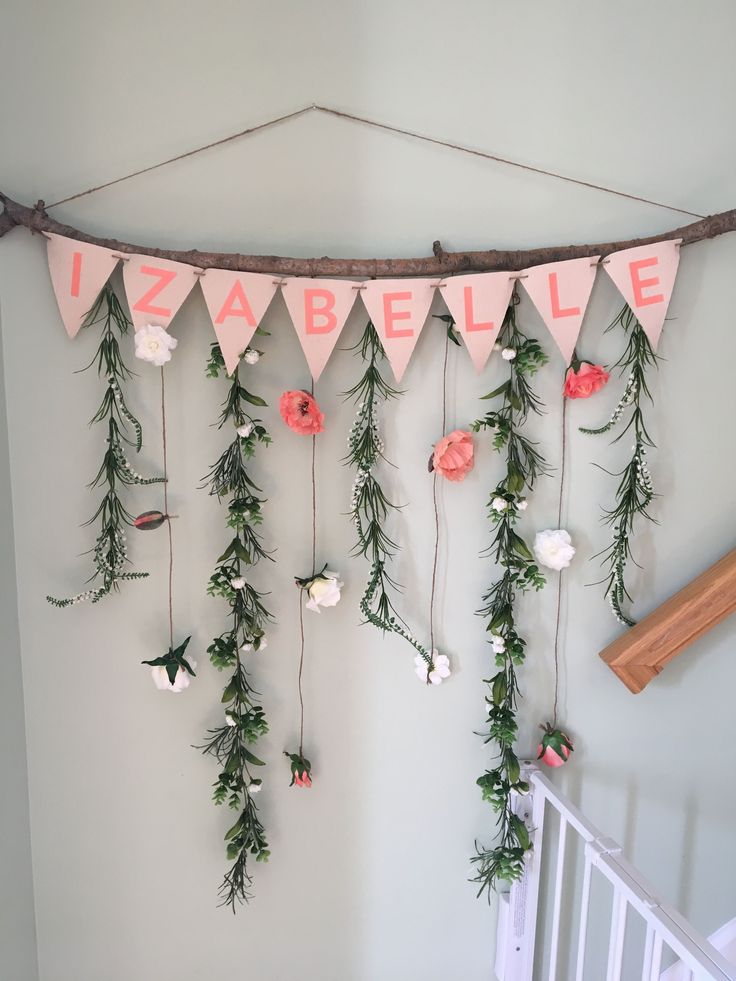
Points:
(640, 654)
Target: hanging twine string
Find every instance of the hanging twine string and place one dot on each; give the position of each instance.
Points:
(559, 574)
(301, 591)
(328, 110)
(166, 512)
(436, 508)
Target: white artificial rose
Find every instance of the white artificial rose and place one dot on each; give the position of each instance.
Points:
(499, 644)
(439, 670)
(238, 582)
(255, 786)
(245, 430)
(251, 356)
(324, 590)
(182, 679)
(522, 505)
(231, 719)
(154, 344)
(499, 504)
(553, 549)
(508, 354)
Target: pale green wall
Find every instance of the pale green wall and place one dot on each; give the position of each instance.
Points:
(17, 921)
(367, 879)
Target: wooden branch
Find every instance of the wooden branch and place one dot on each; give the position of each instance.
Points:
(441, 263)
(641, 653)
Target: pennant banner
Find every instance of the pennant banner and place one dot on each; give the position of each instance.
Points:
(156, 288)
(645, 277)
(78, 273)
(237, 302)
(398, 309)
(560, 291)
(318, 310)
(478, 304)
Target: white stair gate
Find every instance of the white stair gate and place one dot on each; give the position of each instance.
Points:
(638, 934)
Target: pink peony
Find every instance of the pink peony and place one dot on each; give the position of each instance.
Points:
(453, 456)
(301, 413)
(581, 384)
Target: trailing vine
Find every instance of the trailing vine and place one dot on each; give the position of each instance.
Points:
(369, 505)
(245, 722)
(110, 551)
(635, 492)
(524, 464)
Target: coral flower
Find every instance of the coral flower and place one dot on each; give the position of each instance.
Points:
(588, 378)
(453, 455)
(301, 413)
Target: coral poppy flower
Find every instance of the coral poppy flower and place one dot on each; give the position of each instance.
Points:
(301, 413)
(453, 455)
(588, 378)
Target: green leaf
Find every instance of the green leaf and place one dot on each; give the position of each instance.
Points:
(253, 760)
(501, 390)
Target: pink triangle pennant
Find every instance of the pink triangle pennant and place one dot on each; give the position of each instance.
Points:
(478, 304)
(398, 309)
(318, 310)
(156, 289)
(237, 302)
(78, 273)
(645, 277)
(560, 291)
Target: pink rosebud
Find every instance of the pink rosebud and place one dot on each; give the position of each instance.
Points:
(453, 456)
(303, 779)
(581, 384)
(555, 747)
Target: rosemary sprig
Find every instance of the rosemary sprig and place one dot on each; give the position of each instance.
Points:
(110, 550)
(635, 492)
(509, 550)
(245, 720)
(369, 505)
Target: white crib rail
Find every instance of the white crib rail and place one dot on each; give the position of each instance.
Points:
(631, 893)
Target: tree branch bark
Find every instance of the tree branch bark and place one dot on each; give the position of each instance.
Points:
(441, 263)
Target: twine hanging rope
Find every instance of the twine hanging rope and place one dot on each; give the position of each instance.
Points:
(166, 512)
(559, 574)
(436, 508)
(386, 127)
(301, 591)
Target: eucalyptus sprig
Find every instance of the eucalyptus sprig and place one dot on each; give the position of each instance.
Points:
(245, 722)
(369, 505)
(524, 465)
(635, 492)
(110, 551)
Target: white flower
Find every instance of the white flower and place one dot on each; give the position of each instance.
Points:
(238, 582)
(508, 354)
(263, 644)
(255, 786)
(440, 668)
(499, 644)
(499, 504)
(154, 344)
(251, 356)
(231, 719)
(182, 679)
(324, 590)
(553, 549)
(245, 430)
(497, 346)
(247, 647)
(522, 504)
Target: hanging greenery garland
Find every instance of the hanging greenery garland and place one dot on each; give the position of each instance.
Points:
(369, 504)
(635, 492)
(245, 722)
(524, 464)
(110, 550)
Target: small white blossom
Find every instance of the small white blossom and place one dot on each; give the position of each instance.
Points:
(255, 786)
(245, 430)
(499, 504)
(154, 344)
(499, 644)
(231, 719)
(522, 505)
(553, 549)
(251, 356)
(439, 670)
(508, 354)
(238, 582)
